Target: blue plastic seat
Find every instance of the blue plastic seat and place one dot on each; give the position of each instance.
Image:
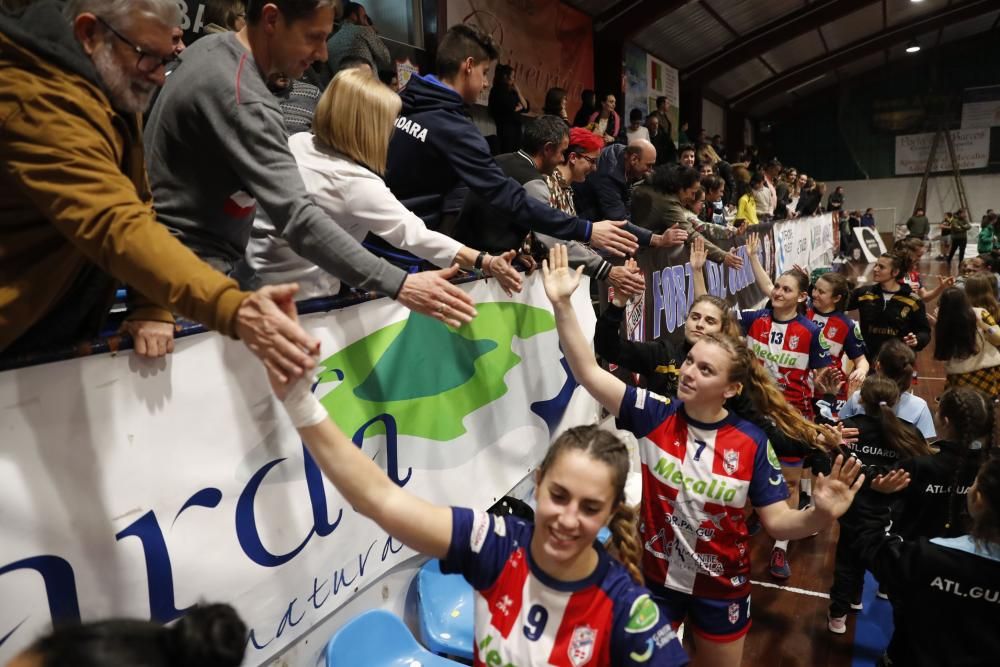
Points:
(446, 610)
(379, 639)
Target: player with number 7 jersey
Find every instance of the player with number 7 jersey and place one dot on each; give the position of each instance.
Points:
(697, 478)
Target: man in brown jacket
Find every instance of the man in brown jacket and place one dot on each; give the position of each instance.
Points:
(76, 210)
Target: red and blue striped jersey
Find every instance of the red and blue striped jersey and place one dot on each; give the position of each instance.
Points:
(525, 618)
(843, 335)
(788, 350)
(696, 480)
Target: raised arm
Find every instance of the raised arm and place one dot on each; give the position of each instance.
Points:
(412, 520)
(759, 273)
(698, 257)
(560, 283)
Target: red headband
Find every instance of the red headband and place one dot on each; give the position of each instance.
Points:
(585, 139)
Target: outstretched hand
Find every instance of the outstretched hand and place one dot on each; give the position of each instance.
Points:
(894, 481)
(267, 323)
(833, 494)
(627, 280)
(732, 260)
(505, 274)
(560, 282)
(431, 293)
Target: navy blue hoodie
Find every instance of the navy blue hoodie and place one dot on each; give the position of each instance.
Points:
(435, 145)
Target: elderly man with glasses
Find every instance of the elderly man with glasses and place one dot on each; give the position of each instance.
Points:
(77, 213)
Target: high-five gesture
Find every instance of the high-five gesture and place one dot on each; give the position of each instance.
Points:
(560, 280)
(698, 253)
(626, 289)
(833, 494)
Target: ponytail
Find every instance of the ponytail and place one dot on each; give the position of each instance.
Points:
(879, 396)
(625, 545)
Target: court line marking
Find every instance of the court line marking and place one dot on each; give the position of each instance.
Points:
(791, 589)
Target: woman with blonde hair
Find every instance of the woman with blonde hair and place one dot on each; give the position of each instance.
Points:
(342, 163)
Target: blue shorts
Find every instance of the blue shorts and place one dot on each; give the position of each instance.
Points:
(714, 619)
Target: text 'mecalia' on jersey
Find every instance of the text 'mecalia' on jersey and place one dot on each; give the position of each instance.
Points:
(696, 480)
(525, 618)
(788, 351)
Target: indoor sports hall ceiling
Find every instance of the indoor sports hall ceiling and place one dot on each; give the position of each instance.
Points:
(761, 55)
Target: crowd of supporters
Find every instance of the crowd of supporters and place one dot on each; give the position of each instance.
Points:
(274, 165)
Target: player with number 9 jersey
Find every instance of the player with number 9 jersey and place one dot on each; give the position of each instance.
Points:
(525, 617)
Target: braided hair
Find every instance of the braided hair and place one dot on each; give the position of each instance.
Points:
(879, 395)
(607, 448)
(970, 416)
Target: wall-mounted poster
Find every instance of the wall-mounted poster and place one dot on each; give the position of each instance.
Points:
(548, 43)
(646, 79)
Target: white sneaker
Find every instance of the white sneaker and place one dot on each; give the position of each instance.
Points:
(836, 624)
(880, 595)
(857, 606)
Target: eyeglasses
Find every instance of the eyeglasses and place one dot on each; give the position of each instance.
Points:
(592, 161)
(147, 62)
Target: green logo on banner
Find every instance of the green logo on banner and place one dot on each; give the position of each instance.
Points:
(643, 615)
(429, 377)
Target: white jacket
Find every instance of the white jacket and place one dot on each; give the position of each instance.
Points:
(353, 197)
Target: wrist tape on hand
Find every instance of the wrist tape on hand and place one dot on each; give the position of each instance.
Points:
(303, 408)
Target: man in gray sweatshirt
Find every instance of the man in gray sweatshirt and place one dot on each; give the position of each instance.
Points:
(216, 149)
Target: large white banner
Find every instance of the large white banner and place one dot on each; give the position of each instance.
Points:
(972, 151)
(134, 489)
(806, 242)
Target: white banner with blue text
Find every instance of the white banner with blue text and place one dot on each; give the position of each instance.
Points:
(135, 489)
(806, 242)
